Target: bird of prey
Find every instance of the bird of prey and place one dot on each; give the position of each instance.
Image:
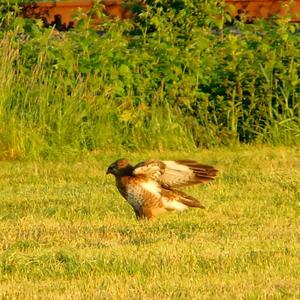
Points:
(150, 187)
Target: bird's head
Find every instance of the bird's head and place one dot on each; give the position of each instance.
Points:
(119, 167)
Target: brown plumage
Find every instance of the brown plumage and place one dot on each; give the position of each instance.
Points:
(150, 186)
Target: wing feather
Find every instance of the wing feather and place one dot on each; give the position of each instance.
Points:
(150, 168)
(175, 173)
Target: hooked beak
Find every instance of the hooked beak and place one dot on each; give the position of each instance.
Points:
(108, 171)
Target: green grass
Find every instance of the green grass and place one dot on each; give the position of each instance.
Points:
(66, 233)
(178, 76)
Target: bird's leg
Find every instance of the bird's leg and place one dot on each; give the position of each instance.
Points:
(139, 213)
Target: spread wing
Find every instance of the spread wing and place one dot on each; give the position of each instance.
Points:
(175, 173)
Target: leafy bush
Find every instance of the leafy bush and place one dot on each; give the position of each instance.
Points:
(180, 75)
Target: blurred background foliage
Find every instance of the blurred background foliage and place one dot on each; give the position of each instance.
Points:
(178, 75)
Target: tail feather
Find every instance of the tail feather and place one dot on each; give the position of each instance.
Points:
(188, 200)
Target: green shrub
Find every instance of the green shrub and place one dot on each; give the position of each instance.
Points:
(181, 75)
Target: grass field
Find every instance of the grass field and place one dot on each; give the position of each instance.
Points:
(65, 232)
(181, 75)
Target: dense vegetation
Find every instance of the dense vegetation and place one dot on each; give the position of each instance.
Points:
(182, 74)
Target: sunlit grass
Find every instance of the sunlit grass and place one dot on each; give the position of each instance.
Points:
(173, 78)
(65, 232)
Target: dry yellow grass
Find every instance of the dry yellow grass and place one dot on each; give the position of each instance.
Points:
(65, 232)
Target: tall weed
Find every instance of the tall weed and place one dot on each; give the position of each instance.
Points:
(180, 75)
